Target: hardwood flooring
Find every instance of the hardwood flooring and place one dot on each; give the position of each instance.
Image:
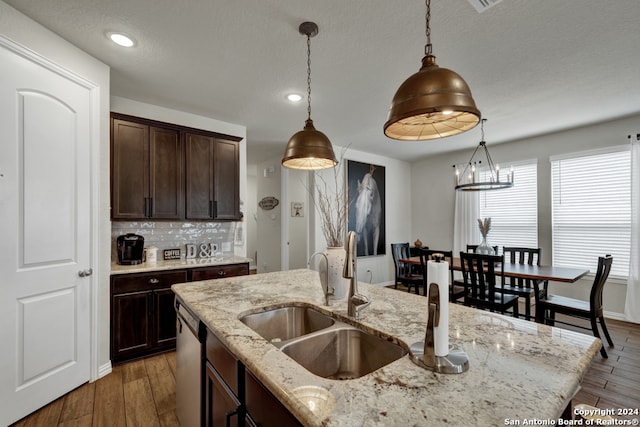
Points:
(142, 393)
(139, 393)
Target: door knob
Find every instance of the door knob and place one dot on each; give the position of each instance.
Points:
(85, 273)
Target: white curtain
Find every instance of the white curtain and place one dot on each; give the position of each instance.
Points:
(632, 303)
(465, 224)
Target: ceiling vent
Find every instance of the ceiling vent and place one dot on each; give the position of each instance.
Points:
(482, 5)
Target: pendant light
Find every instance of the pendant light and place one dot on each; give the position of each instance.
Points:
(432, 103)
(309, 148)
(468, 180)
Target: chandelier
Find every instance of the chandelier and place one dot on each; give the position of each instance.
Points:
(473, 179)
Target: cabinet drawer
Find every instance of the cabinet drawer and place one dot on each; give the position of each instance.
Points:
(225, 363)
(146, 281)
(219, 272)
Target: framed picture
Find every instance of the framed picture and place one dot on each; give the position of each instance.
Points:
(366, 195)
(297, 209)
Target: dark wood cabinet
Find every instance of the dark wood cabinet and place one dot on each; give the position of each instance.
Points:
(223, 408)
(234, 396)
(170, 172)
(143, 319)
(212, 178)
(219, 272)
(147, 171)
(262, 407)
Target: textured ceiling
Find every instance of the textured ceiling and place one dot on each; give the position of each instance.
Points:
(533, 66)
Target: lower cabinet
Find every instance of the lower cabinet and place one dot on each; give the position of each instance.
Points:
(234, 397)
(143, 318)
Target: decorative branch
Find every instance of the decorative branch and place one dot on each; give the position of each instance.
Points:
(484, 226)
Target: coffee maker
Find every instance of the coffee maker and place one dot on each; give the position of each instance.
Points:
(130, 249)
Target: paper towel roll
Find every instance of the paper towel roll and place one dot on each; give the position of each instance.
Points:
(438, 272)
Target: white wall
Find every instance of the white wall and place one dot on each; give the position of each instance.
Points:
(433, 201)
(32, 35)
(379, 269)
(269, 221)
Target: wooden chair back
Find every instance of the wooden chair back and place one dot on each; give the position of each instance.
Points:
(602, 274)
(482, 275)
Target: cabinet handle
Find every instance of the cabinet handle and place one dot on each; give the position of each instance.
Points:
(211, 208)
(146, 207)
(150, 215)
(222, 273)
(154, 281)
(215, 209)
(229, 415)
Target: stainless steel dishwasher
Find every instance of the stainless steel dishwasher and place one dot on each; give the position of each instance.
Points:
(189, 367)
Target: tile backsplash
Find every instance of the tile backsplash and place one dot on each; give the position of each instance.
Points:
(172, 235)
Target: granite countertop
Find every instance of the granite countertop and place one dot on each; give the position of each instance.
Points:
(175, 264)
(518, 369)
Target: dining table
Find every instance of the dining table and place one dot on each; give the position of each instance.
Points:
(538, 274)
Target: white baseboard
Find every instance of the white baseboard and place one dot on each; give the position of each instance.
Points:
(104, 370)
(615, 316)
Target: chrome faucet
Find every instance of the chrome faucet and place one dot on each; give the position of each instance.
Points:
(328, 292)
(356, 301)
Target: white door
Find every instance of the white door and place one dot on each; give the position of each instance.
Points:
(45, 220)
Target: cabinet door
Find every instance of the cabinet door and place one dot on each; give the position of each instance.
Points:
(130, 323)
(130, 169)
(164, 329)
(166, 179)
(263, 408)
(222, 406)
(199, 176)
(226, 180)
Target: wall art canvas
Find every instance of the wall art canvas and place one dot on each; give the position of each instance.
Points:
(366, 195)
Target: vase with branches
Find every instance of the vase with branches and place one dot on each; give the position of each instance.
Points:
(484, 248)
(330, 200)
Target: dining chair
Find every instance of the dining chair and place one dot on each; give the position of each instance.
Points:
(472, 248)
(404, 273)
(523, 288)
(592, 310)
(482, 275)
(456, 289)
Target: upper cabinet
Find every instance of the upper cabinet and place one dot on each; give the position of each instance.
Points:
(164, 171)
(212, 178)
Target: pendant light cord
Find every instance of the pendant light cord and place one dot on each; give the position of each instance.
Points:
(427, 48)
(308, 77)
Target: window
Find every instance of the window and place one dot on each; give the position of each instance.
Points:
(591, 208)
(513, 211)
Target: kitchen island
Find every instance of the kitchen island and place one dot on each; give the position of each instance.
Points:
(519, 370)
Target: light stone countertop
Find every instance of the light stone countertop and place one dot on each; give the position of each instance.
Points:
(518, 369)
(162, 265)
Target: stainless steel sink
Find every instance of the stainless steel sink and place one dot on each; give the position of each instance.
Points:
(324, 346)
(285, 323)
(342, 352)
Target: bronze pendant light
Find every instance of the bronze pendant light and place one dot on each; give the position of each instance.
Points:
(432, 103)
(309, 148)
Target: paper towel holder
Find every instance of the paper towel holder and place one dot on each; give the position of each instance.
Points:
(423, 352)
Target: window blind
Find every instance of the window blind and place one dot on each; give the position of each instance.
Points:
(591, 209)
(513, 211)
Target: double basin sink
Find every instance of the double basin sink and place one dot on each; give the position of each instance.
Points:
(323, 345)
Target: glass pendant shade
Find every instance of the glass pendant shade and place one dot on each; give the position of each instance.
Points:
(432, 103)
(309, 149)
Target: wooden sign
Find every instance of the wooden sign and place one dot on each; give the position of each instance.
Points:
(268, 203)
(171, 254)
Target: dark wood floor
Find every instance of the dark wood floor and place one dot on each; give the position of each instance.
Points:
(142, 393)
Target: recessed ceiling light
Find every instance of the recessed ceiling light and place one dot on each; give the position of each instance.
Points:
(294, 97)
(121, 39)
